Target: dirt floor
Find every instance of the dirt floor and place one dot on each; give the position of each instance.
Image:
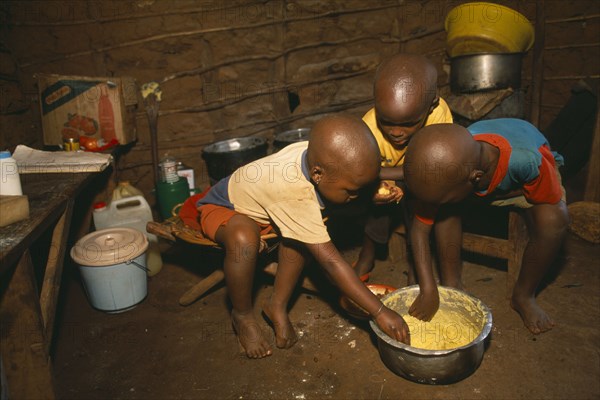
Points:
(161, 350)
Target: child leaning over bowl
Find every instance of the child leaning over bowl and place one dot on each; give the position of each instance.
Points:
(287, 191)
(507, 161)
(406, 99)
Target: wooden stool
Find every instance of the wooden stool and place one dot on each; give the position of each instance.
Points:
(510, 249)
(173, 229)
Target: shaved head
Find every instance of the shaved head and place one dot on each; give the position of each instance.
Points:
(439, 163)
(345, 141)
(405, 87)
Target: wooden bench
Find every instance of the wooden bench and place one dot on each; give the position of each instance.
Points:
(510, 248)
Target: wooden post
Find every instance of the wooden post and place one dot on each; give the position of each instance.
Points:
(537, 70)
(23, 347)
(592, 184)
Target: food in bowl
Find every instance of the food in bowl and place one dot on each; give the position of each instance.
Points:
(441, 366)
(446, 330)
(357, 311)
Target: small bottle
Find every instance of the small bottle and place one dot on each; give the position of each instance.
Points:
(125, 189)
(10, 183)
(100, 215)
(70, 139)
(168, 169)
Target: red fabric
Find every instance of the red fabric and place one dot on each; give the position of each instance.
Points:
(546, 187)
(212, 217)
(424, 212)
(502, 168)
(189, 212)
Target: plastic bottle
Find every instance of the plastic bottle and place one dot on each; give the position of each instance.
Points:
(131, 212)
(168, 169)
(10, 183)
(125, 189)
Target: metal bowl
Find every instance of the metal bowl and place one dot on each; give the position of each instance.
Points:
(485, 71)
(435, 367)
(288, 137)
(224, 157)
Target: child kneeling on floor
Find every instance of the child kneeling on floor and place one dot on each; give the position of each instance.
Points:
(287, 191)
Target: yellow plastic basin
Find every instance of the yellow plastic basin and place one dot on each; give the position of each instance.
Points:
(487, 28)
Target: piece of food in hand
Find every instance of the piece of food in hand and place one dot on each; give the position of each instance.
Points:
(384, 191)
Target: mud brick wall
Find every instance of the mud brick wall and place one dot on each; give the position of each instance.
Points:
(238, 68)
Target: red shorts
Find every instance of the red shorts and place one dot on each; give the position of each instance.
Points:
(212, 217)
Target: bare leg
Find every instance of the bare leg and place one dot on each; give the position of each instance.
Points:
(411, 278)
(448, 236)
(547, 225)
(291, 262)
(366, 258)
(241, 239)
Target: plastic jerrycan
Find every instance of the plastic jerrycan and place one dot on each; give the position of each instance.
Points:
(131, 212)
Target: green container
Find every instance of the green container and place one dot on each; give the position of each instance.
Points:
(170, 194)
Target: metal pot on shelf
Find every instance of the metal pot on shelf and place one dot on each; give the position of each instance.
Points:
(485, 71)
(224, 157)
(288, 137)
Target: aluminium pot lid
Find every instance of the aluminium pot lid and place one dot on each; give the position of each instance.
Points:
(109, 247)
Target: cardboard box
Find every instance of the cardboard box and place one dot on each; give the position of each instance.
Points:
(91, 107)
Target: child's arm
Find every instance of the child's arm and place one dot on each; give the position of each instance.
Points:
(342, 274)
(427, 302)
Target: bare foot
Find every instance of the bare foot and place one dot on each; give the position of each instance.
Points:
(285, 334)
(534, 318)
(250, 335)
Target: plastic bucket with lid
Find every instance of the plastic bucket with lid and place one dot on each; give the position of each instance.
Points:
(112, 263)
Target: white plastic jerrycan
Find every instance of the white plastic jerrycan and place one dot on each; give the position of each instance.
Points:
(131, 212)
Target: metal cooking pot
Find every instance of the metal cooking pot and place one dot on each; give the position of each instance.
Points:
(224, 157)
(288, 137)
(435, 367)
(485, 71)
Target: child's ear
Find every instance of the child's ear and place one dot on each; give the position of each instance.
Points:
(434, 103)
(316, 174)
(475, 177)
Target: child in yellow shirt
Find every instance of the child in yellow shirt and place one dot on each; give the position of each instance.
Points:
(406, 100)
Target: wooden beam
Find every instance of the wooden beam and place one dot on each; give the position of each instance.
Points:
(592, 184)
(53, 274)
(537, 69)
(26, 363)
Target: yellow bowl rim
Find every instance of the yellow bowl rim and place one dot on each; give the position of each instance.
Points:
(483, 3)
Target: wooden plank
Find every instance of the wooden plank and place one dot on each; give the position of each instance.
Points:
(27, 364)
(591, 191)
(487, 245)
(53, 273)
(537, 69)
(196, 291)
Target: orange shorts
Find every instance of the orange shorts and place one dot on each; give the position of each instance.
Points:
(212, 217)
